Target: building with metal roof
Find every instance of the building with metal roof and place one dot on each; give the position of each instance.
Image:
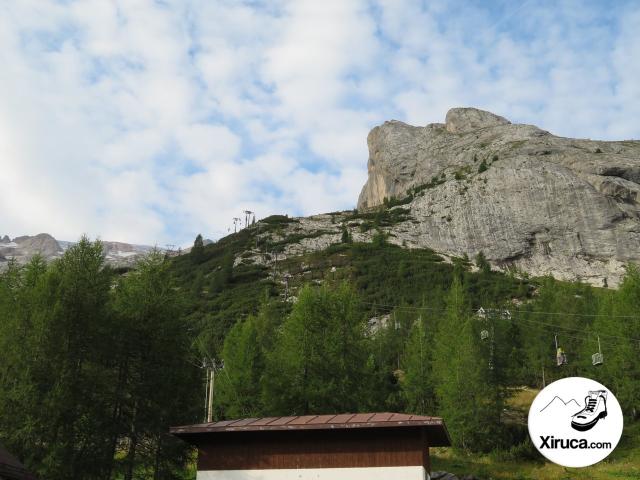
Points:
(374, 446)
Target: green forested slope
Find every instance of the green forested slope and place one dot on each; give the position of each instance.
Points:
(96, 365)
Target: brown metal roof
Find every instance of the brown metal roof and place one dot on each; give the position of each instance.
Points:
(11, 468)
(435, 425)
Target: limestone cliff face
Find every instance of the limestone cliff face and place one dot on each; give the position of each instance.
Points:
(546, 204)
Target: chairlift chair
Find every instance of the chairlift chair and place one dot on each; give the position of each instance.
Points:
(561, 356)
(597, 358)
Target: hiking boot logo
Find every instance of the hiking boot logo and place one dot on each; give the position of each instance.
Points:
(563, 428)
(595, 408)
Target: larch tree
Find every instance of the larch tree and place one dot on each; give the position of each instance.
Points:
(417, 384)
(465, 394)
(319, 360)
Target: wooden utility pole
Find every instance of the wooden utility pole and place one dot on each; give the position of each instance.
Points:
(206, 390)
(212, 379)
(211, 365)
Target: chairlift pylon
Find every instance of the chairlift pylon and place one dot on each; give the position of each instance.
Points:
(597, 358)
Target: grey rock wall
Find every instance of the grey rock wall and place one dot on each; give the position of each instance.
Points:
(526, 198)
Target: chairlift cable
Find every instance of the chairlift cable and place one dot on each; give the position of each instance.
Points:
(534, 322)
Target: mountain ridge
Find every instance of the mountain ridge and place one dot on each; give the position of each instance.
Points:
(527, 200)
(23, 248)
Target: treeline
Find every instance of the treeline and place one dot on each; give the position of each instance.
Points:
(96, 365)
(431, 359)
(93, 368)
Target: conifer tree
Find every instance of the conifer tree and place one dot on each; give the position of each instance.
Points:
(238, 390)
(417, 385)
(197, 251)
(319, 360)
(68, 346)
(482, 263)
(156, 387)
(467, 398)
(620, 327)
(346, 236)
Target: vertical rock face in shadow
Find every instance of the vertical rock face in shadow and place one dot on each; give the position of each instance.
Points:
(546, 204)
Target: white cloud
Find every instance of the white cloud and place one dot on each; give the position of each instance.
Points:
(207, 144)
(150, 122)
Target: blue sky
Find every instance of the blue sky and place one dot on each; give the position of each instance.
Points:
(151, 121)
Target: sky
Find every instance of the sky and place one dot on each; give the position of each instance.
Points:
(150, 121)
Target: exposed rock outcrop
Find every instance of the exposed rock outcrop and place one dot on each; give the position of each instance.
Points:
(24, 248)
(545, 204)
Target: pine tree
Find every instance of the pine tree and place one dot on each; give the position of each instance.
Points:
(156, 386)
(346, 236)
(319, 361)
(67, 376)
(238, 390)
(197, 251)
(482, 263)
(417, 386)
(467, 399)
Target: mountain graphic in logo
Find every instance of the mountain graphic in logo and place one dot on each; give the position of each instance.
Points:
(595, 409)
(559, 403)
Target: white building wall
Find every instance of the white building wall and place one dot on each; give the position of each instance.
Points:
(369, 473)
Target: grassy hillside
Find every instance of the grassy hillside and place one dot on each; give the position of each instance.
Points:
(623, 463)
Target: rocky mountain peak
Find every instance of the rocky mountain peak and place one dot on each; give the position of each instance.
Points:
(522, 196)
(25, 247)
(462, 120)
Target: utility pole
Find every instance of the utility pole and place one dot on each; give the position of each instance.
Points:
(212, 366)
(206, 388)
(212, 379)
